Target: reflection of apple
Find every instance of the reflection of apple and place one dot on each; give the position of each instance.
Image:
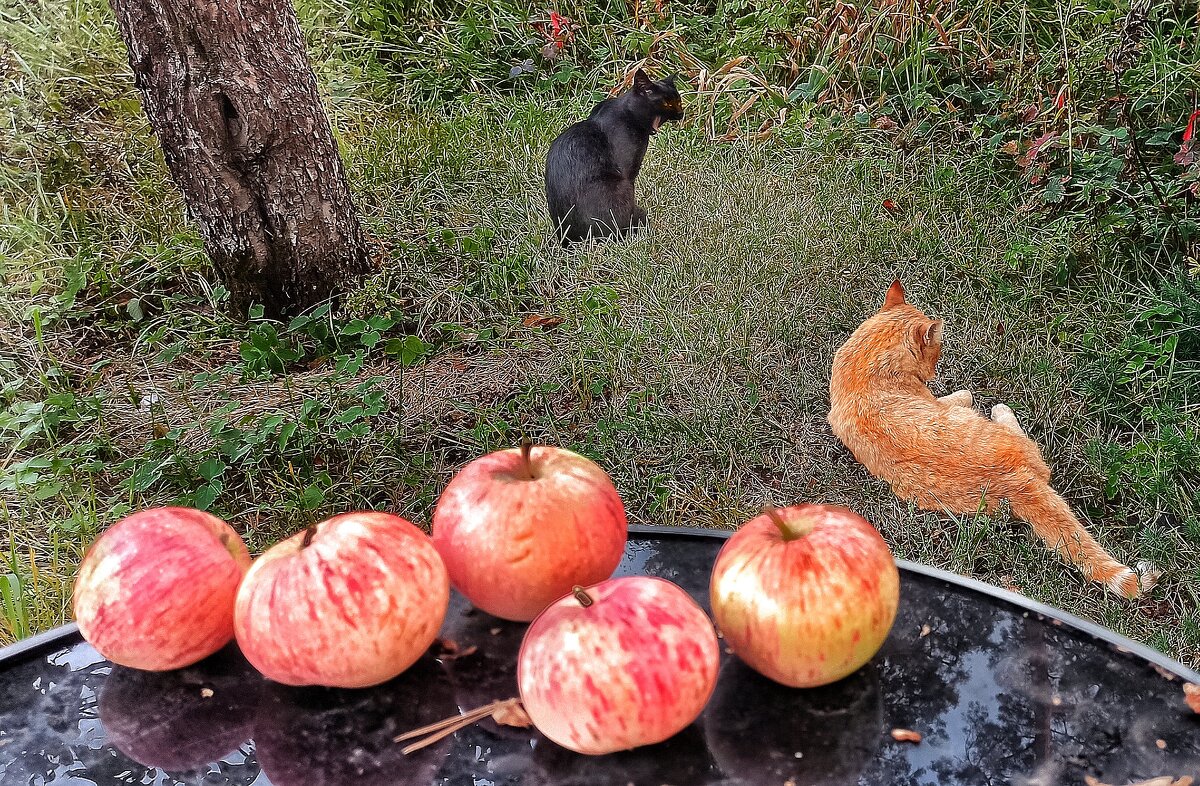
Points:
(683, 759)
(628, 662)
(762, 732)
(181, 719)
(485, 670)
(156, 590)
(519, 528)
(337, 737)
(806, 594)
(350, 603)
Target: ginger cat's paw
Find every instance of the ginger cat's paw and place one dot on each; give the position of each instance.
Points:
(959, 398)
(1132, 584)
(1003, 414)
(1148, 574)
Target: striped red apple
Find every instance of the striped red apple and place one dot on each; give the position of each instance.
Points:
(156, 590)
(351, 602)
(628, 662)
(518, 529)
(805, 595)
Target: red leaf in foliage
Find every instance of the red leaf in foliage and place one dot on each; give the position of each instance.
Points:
(890, 205)
(1030, 113)
(1061, 99)
(1187, 132)
(1038, 145)
(557, 36)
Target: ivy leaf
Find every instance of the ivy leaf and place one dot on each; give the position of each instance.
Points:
(407, 350)
(211, 468)
(312, 497)
(205, 496)
(1053, 193)
(285, 434)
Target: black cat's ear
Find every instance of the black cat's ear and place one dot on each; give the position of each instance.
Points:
(641, 82)
(672, 79)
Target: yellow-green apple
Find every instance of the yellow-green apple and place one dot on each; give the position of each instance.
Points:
(519, 528)
(350, 602)
(156, 590)
(805, 595)
(628, 662)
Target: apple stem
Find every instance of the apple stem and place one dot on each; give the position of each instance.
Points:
(526, 449)
(448, 726)
(581, 595)
(309, 534)
(773, 514)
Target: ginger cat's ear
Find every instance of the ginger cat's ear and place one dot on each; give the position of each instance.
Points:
(928, 334)
(895, 295)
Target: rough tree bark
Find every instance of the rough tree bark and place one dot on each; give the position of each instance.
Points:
(229, 91)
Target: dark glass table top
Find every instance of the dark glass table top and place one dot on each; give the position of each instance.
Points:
(1003, 691)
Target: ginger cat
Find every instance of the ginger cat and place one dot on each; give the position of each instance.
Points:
(942, 454)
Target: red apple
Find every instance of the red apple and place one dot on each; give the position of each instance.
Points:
(805, 595)
(349, 603)
(519, 528)
(628, 662)
(156, 590)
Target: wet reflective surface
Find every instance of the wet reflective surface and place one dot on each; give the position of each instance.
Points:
(1001, 696)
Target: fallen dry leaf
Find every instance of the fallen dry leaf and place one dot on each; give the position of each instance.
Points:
(206, 693)
(925, 630)
(1191, 694)
(1162, 744)
(544, 322)
(450, 650)
(906, 735)
(1168, 676)
(512, 714)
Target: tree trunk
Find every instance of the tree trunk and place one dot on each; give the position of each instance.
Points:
(229, 91)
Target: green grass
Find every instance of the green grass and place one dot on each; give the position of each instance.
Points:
(691, 363)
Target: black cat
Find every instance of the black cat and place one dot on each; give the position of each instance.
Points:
(593, 164)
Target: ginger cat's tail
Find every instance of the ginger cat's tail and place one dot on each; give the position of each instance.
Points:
(1053, 521)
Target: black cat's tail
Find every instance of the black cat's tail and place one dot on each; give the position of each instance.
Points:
(571, 228)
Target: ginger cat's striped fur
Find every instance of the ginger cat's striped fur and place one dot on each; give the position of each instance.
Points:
(942, 454)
